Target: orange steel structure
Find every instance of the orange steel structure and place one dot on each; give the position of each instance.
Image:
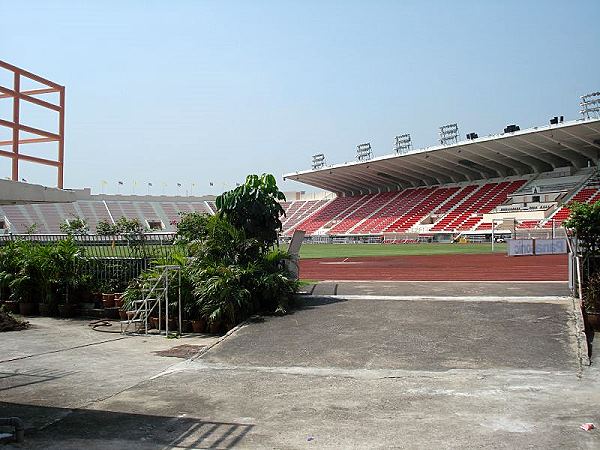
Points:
(17, 127)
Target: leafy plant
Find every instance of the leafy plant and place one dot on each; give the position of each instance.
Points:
(67, 258)
(191, 227)
(584, 221)
(221, 293)
(31, 229)
(591, 299)
(105, 228)
(74, 226)
(254, 208)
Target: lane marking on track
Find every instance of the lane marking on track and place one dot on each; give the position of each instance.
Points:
(553, 299)
(334, 263)
(447, 281)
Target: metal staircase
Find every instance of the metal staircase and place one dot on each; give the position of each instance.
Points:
(156, 297)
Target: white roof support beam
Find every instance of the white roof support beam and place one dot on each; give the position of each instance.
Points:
(517, 165)
(575, 158)
(536, 163)
(553, 155)
(465, 173)
(406, 175)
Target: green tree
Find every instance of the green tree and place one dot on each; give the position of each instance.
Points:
(192, 226)
(254, 208)
(584, 222)
(76, 225)
(105, 228)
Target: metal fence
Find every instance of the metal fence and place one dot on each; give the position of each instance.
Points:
(133, 245)
(110, 261)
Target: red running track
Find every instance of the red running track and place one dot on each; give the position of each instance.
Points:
(485, 267)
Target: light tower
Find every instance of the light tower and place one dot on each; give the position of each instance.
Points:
(449, 134)
(402, 144)
(364, 152)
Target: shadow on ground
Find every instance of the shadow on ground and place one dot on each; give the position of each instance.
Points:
(83, 428)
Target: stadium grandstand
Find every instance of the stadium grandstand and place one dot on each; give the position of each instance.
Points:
(517, 181)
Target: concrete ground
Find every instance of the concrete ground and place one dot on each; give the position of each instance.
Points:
(390, 368)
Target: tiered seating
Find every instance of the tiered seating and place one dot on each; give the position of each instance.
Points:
(16, 217)
(427, 205)
(54, 214)
(484, 226)
(93, 212)
(365, 210)
(120, 209)
(585, 195)
(467, 214)
(212, 207)
(170, 211)
(394, 209)
(303, 210)
(333, 210)
(453, 208)
(528, 224)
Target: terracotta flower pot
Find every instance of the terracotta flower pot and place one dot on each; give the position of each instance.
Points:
(12, 306)
(48, 309)
(108, 300)
(173, 325)
(153, 322)
(119, 302)
(592, 320)
(66, 310)
(28, 309)
(215, 327)
(199, 326)
(123, 314)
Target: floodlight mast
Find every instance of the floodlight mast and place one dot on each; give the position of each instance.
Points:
(590, 105)
(318, 161)
(449, 134)
(364, 152)
(402, 144)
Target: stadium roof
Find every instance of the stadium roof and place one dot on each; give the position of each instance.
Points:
(539, 149)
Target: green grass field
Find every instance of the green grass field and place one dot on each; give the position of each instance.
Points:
(325, 250)
(350, 250)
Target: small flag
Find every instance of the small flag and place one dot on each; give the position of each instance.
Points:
(121, 183)
(149, 184)
(211, 183)
(178, 184)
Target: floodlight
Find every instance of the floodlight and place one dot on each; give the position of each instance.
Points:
(449, 134)
(318, 161)
(364, 152)
(402, 144)
(590, 105)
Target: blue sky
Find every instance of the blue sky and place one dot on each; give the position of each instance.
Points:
(209, 91)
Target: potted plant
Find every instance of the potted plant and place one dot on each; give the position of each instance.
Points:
(584, 224)
(25, 280)
(591, 302)
(67, 257)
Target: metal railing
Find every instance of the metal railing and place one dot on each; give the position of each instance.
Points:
(110, 261)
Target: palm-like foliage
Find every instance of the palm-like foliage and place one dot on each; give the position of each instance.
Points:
(221, 294)
(254, 208)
